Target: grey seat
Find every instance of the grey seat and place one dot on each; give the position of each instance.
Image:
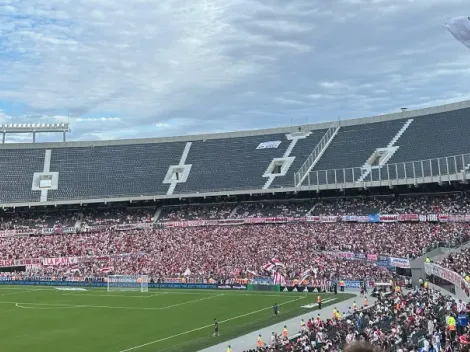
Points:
(17, 167)
(230, 163)
(113, 171)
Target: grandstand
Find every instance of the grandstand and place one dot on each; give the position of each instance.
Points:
(407, 148)
(360, 201)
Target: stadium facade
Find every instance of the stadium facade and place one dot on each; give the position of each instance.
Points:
(405, 149)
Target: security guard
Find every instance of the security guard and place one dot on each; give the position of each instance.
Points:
(285, 332)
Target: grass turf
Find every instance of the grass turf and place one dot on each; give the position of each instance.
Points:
(46, 319)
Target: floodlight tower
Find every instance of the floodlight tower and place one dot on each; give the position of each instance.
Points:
(34, 128)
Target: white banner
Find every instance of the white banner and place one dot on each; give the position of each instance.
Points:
(400, 262)
(269, 145)
(19, 262)
(60, 261)
(448, 275)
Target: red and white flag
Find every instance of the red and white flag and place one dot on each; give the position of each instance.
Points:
(277, 262)
(279, 279)
(269, 267)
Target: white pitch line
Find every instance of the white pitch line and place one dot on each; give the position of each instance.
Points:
(24, 291)
(207, 326)
(25, 306)
(59, 305)
(210, 293)
(108, 295)
(193, 301)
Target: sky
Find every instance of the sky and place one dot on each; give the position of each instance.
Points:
(152, 68)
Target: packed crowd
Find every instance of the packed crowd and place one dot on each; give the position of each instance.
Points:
(413, 321)
(197, 212)
(225, 251)
(453, 203)
(118, 216)
(38, 220)
(458, 262)
(270, 209)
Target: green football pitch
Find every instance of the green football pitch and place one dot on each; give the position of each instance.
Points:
(44, 319)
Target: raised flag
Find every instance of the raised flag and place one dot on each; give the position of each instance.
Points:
(279, 279)
(106, 270)
(277, 262)
(269, 267)
(306, 274)
(459, 27)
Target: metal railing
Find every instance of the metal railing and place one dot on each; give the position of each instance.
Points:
(436, 170)
(311, 160)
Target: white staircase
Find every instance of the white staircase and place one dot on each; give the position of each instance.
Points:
(156, 216)
(399, 134)
(392, 149)
(182, 163)
(311, 210)
(78, 223)
(316, 154)
(293, 138)
(233, 212)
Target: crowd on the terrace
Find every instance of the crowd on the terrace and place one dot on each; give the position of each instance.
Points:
(110, 217)
(423, 320)
(459, 262)
(228, 251)
(241, 251)
(38, 220)
(451, 203)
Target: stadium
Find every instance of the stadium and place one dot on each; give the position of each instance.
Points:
(141, 245)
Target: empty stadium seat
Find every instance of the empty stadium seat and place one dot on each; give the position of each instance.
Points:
(230, 163)
(113, 171)
(436, 135)
(17, 167)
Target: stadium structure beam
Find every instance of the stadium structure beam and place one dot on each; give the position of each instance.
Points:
(34, 128)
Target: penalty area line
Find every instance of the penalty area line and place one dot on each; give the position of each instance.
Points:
(206, 326)
(33, 305)
(19, 292)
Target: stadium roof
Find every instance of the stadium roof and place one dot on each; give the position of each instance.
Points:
(404, 113)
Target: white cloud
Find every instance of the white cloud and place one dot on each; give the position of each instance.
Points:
(333, 85)
(96, 119)
(122, 69)
(4, 118)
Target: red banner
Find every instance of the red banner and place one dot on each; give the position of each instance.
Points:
(408, 217)
(372, 257)
(19, 262)
(388, 217)
(345, 255)
(60, 261)
(443, 218)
